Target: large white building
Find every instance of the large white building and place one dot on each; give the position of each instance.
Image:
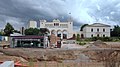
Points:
(63, 30)
(95, 30)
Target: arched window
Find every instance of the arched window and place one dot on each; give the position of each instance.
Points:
(92, 35)
(82, 36)
(103, 30)
(65, 34)
(97, 35)
(97, 29)
(103, 35)
(92, 30)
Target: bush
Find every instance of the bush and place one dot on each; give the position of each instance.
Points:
(102, 38)
(94, 38)
(82, 43)
(87, 39)
(107, 39)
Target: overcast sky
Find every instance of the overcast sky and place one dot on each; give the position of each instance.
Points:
(19, 12)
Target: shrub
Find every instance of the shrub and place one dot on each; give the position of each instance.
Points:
(102, 38)
(82, 43)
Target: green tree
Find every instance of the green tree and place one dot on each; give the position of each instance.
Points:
(81, 29)
(0, 33)
(116, 31)
(78, 37)
(36, 31)
(16, 31)
(8, 29)
(32, 31)
(44, 30)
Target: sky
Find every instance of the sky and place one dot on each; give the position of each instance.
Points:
(19, 12)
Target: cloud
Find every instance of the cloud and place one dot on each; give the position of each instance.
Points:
(19, 12)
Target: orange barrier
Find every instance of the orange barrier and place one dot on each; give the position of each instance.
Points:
(19, 64)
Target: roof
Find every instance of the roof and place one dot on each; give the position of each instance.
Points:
(16, 34)
(28, 37)
(98, 25)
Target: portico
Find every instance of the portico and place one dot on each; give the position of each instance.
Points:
(63, 34)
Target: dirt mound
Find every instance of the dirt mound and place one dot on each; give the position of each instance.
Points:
(11, 58)
(41, 55)
(100, 44)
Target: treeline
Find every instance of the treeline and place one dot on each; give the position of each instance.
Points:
(36, 31)
(9, 29)
(115, 32)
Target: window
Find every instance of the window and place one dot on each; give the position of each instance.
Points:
(97, 30)
(103, 35)
(56, 24)
(92, 30)
(92, 35)
(97, 35)
(103, 30)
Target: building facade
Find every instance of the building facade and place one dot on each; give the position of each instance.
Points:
(95, 30)
(63, 30)
(32, 24)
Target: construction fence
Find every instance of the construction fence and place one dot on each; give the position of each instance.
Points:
(67, 64)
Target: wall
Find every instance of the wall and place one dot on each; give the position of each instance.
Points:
(88, 32)
(32, 24)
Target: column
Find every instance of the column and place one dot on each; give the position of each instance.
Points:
(61, 35)
(55, 33)
(15, 43)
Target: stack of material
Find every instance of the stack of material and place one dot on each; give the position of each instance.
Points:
(7, 64)
(4, 43)
(53, 40)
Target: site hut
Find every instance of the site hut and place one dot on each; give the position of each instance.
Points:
(95, 30)
(29, 41)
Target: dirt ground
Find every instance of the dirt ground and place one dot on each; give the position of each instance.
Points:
(27, 56)
(38, 57)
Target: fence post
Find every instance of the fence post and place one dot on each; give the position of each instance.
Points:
(45, 64)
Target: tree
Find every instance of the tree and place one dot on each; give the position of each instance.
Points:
(0, 33)
(81, 29)
(116, 31)
(8, 29)
(16, 31)
(78, 37)
(44, 30)
(32, 31)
